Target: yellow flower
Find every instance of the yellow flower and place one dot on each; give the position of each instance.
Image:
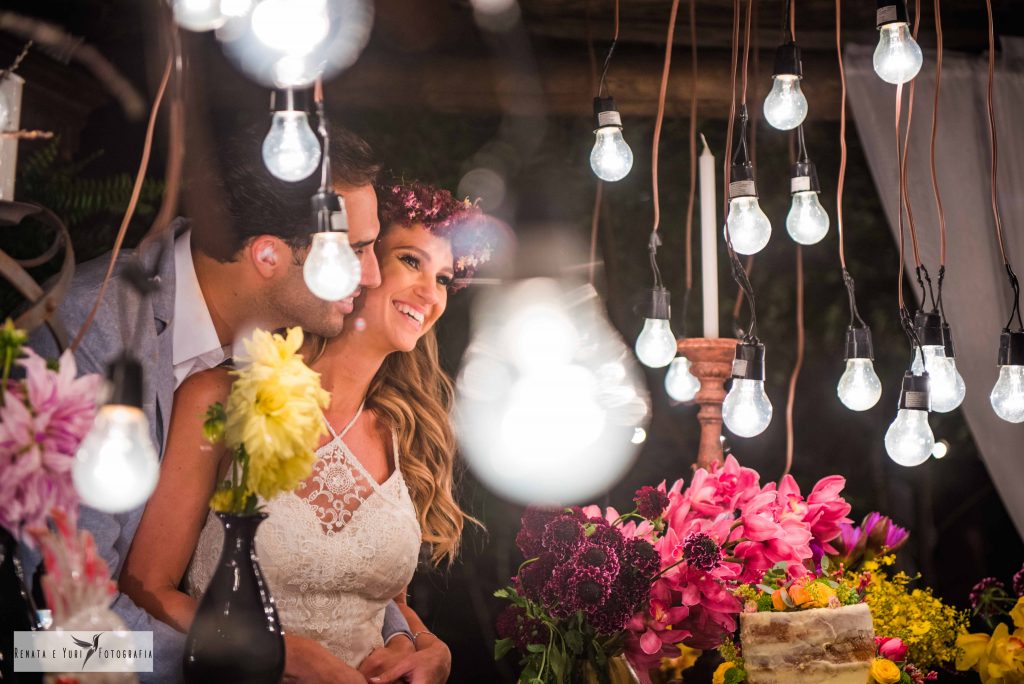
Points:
(687, 657)
(1017, 614)
(972, 651)
(274, 414)
(1005, 654)
(819, 593)
(885, 671)
(719, 676)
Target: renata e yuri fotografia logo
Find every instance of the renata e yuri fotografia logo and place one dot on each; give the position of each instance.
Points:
(66, 651)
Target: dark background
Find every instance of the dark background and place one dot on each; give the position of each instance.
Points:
(960, 530)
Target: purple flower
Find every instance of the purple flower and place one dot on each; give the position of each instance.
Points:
(982, 594)
(701, 551)
(641, 556)
(1018, 582)
(534, 576)
(563, 536)
(650, 502)
(515, 624)
(895, 536)
(533, 522)
(575, 588)
(600, 558)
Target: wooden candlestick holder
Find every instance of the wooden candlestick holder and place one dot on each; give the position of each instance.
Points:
(711, 363)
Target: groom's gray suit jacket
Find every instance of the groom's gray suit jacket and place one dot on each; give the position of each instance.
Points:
(115, 329)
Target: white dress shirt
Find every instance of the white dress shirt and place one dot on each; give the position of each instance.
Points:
(195, 346)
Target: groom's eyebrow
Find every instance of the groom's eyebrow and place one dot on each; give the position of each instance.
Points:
(362, 243)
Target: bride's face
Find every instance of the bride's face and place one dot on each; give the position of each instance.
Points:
(416, 268)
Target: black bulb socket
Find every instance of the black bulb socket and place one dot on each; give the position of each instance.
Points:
(749, 361)
(741, 180)
(858, 343)
(325, 204)
(803, 176)
(891, 12)
(288, 100)
(947, 340)
(125, 377)
(914, 394)
(928, 327)
(1011, 348)
(658, 304)
(787, 61)
(605, 114)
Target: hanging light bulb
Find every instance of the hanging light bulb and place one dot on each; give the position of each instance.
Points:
(950, 349)
(331, 271)
(747, 410)
(291, 151)
(198, 15)
(680, 383)
(656, 344)
(1008, 394)
(611, 159)
(749, 228)
(785, 108)
(898, 57)
(946, 393)
(909, 440)
(859, 387)
(116, 466)
(807, 222)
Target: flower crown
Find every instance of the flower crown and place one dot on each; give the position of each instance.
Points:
(462, 222)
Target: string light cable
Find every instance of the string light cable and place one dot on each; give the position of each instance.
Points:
(611, 158)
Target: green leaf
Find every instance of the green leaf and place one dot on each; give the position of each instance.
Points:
(536, 648)
(600, 658)
(765, 588)
(574, 639)
(502, 593)
(781, 565)
(787, 599)
(502, 647)
(826, 564)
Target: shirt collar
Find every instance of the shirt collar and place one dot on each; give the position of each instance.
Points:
(194, 334)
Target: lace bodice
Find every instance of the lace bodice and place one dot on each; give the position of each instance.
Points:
(334, 554)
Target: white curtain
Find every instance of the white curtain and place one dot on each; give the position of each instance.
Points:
(977, 295)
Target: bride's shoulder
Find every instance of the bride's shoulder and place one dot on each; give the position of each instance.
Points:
(206, 387)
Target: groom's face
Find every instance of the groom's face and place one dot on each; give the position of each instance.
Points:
(302, 307)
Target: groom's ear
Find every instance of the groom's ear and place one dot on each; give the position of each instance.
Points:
(268, 255)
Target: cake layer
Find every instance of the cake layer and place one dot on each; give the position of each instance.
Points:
(834, 645)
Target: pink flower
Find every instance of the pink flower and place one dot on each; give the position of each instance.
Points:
(892, 648)
(43, 419)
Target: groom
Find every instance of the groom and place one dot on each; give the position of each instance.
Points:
(217, 282)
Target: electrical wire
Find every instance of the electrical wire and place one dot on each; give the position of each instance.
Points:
(1014, 283)
(798, 364)
(611, 51)
(595, 213)
(935, 177)
(133, 201)
(693, 149)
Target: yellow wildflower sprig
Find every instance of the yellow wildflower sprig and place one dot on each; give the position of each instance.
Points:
(271, 425)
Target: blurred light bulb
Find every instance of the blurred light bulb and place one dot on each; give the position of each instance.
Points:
(639, 436)
(898, 57)
(807, 221)
(859, 387)
(1008, 394)
(198, 15)
(611, 159)
(656, 344)
(746, 411)
(946, 392)
(294, 27)
(558, 430)
(785, 108)
(680, 383)
(749, 228)
(116, 467)
(909, 440)
(332, 269)
(291, 151)
(940, 449)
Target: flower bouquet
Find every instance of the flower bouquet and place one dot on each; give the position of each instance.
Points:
(996, 654)
(270, 427)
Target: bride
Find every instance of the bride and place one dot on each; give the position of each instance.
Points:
(347, 542)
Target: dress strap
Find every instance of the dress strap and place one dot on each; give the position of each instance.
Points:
(337, 435)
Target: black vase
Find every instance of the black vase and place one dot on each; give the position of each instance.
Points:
(17, 611)
(236, 635)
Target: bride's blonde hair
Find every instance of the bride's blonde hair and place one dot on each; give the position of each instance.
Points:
(413, 396)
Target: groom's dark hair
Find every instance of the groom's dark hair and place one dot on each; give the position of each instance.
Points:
(257, 203)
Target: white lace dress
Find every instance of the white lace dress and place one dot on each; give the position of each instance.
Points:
(333, 557)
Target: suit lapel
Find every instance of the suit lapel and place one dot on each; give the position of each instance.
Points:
(161, 366)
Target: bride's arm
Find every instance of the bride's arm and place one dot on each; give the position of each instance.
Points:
(430, 661)
(174, 517)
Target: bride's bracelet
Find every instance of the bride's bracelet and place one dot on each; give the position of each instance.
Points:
(417, 635)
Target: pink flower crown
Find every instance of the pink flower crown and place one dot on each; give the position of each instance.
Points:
(462, 222)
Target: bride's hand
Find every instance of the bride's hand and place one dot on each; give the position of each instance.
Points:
(384, 658)
(307, 662)
(431, 664)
